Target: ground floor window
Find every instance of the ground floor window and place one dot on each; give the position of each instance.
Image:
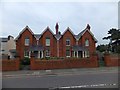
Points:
(87, 54)
(26, 53)
(47, 53)
(67, 53)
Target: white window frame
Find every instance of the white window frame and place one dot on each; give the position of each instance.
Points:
(47, 43)
(27, 41)
(87, 42)
(47, 53)
(87, 54)
(69, 53)
(25, 53)
(68, 40)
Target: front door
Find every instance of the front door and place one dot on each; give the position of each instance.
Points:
(36, 54)
(80, 54)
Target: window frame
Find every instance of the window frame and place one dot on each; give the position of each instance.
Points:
(87, 54)
(25, 53)
(47, 43)
(87, 43)
(67, 41)
(69, 53)
(47, 53)
(27, 41)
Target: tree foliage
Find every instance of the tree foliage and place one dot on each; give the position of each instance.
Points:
(102, 48)
(114, 37)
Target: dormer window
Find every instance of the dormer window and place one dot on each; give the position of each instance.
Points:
(27, 41)
(86, 42)
(67, 42)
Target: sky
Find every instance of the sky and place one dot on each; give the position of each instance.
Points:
(101, 16)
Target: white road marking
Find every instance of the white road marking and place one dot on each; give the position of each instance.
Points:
(94, 85)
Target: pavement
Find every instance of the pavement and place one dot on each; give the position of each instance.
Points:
(59, 71)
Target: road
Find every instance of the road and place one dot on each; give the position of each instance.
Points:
(77, 80)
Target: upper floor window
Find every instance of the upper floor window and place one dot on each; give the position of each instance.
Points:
(47, 41)
(27, 41)
(86, 42)
(67, 42)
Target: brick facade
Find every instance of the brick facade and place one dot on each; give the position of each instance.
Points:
(57, 47)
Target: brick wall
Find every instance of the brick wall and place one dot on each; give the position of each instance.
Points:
(66, 63)
(10, 65)
(111, 60)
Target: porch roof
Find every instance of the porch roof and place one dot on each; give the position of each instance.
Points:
(36, 48)
(79, 48)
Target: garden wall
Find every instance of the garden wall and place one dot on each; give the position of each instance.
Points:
(66, 63)
(112, 60)
(10, 65)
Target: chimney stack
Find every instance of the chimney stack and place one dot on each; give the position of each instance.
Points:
(88, 26)
(57, 27)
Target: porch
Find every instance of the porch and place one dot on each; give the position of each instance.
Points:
(80, 52)
(37, 50)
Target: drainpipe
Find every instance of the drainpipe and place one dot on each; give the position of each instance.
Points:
(77, 44)
(57, 48)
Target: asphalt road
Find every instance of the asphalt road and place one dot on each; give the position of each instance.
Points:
(84, 80)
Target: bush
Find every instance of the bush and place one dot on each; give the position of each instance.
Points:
(25, 61)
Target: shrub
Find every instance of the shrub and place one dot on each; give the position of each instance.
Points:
(25, 61)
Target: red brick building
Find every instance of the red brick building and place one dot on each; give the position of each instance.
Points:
(48, 44)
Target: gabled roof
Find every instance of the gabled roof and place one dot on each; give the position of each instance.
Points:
(46, 30)
(68, 29)
(23, 31)
(37, 36)
(82, 33)
(79, 35)
(58, 36)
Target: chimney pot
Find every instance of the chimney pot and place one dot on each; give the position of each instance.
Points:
(57, 27)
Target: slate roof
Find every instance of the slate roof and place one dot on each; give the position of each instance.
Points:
(78, 48)
(79, 35)
(37, 36)
(36, 48)
(58, 36)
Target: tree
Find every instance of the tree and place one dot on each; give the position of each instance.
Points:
(102, 48)
(114, 37)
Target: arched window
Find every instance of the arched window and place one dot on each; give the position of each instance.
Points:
(86, 42)
(27, 41)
